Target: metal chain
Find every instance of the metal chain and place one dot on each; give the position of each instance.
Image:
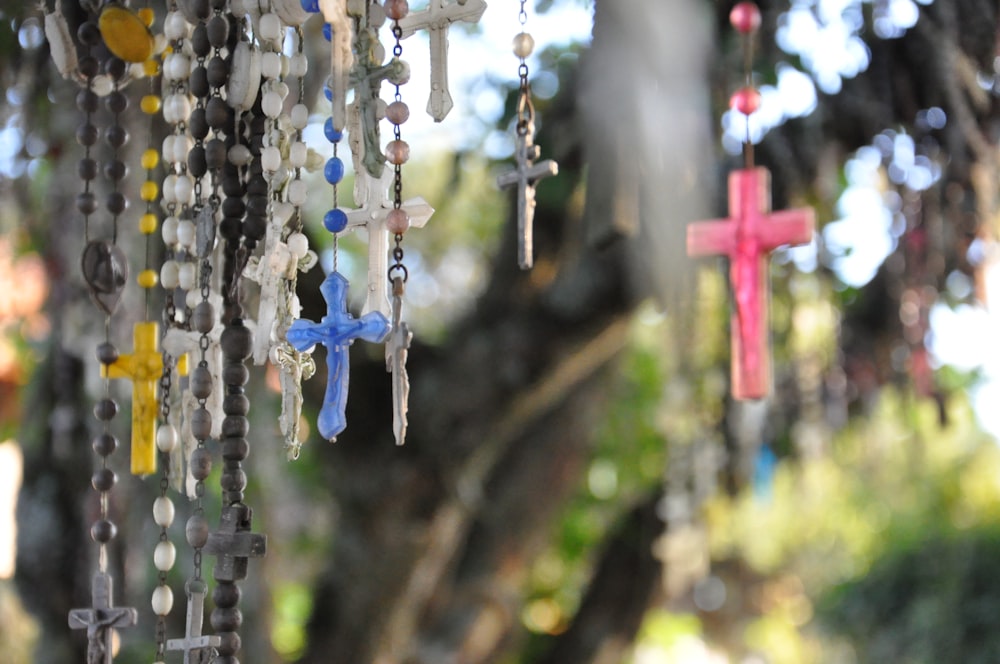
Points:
(397, 269)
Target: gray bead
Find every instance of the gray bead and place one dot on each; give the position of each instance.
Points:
(203, 317)
(103, 531)
(107, 353)
(218, 31)
(196, 531)
(235, 374)
(233, 480)
(235, 426)
(226, 595)
(201, 463)
(235, 449)
(236, 341)
(218, 72)
(235, 404)
(226, 620)
(105, 409)
(201, 382)
(103, 479)
(228, 647)
(201, 423)
(105, 444)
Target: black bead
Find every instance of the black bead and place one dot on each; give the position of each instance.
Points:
(116, 101)
(236, 341)
(235, 373)
(218, 31)
(115, 67)
(201, 382)
(86, 202)
(226, 595)
(255, 226)
(199, 82)
(197, 124)
(215, 153)
(199, 40)
(115, 170)
(87, 101)
(197, 164)
(86, 134)
(88, 33)
(235, 426)
(203, 317)
(201, 423)
(107, 353)
(86, 169)
(218, 114)
(235, 404)
(257, 204)
(103, 479)
(105, 444)
(229, 645)
(257, 186)
(116, 202)
(105, 409)
(232, 186)
(89, 66)
(235, 449)
(226, 620)
(231, 228)
(103, 531)
(233, 480)
(218, 72)
(256, 145)
(233, 207)
(200, 463)
(116, 136)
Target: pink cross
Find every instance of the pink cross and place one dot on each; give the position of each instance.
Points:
(747, 237)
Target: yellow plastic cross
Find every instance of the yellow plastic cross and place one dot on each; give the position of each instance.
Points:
(144, 368)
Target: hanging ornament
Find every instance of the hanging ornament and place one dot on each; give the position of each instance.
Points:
(747, 237)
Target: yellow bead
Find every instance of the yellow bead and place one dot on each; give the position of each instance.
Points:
(150, 158)
(149, 190)
(147, 278)
(125, 34)
(150, 104)
(146, 15)
(148, 223)
(151, 67)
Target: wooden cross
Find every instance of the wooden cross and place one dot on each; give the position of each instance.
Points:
(436, 19)
(747, 237)
(372, 216)
(336, 331)
(197, 648)
(397, 348)
(101, 619)
(234, 544)
(525, 176)
(144, 368)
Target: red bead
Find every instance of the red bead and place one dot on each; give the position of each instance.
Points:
(396, 9)
(397, 221)
(745, 100)
(745, 17)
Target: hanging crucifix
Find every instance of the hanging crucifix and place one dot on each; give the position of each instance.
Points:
(197, 648)
(341, 57)
(101, 619)
(436, 20)
(397, 347)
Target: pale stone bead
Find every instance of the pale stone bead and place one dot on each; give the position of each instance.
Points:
(176, 67)
(298, 192)
(297, 154)
(397, 152)
(164, 555)
(280, 175)
(176, 108)
(270, 158)
(184, 189)
(397, 221)
(137, 70)
(298, 65)
(239, 155)
(167, 149)
(103, 85)
(397, 9)
(169, 279)
(185, 232)
(182, 146)
(282, 212)
(166, 436)
(397, 112)
(174, 26)
(163, 600)
(269, 27)
(163, 511)
(282, 89)
(271, 104)
(193, 298)
(187, 276)
(168, 190)
(300, 116)
(284, 65)
(168, 229)
(524, 45)
(238, 7)
(298, 244)
(160, 44)
(270, 65)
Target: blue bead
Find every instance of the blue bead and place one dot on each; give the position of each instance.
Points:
(328, 93)
(311, 6)
(327, 32)
(334, 170)
(335, 220)
(332, 134)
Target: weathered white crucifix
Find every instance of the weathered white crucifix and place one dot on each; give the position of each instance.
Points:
(436, 20)
(101, 619)
(372, 216)
(341, 57)
(525, 176)
(367, 108)
(197, 648)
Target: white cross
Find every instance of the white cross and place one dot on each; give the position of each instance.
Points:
(372, 215)
(397, 347)
(436, 19)
(341, 57)
(193, 643)
(273, 269)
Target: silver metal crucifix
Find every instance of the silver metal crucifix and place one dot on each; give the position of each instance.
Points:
(198, 649)
(397, 348)
(101, 619)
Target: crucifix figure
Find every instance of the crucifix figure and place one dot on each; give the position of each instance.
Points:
(436, 19)
(750, 233)
(372, 216)
(397, 348)
(198, 649)
(525, 176)
(367, 109)
(101, 619)
(341, 57)
(336, 331)
(233, 543)
(293, 367)
(144, 368)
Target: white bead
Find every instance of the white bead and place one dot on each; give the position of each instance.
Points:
(186, 276)
(174, 26)
(163, 511)
(300, 116)
(165, 555)
(137, 70)
(177, 67)
(163, 600)
(193, 298)
(270, 158)
(524, 44)
(169, 231)
(270, 65)
(160, 44)
(270, 27)
(238, 7)
(185, 232)
(282, 89)
(298, 244)
(103, 85)
(284, 65)
(294, 306)
(176, 108)
(183, 189)
(169, 183)
(298, 192)
(298, 65)
(279, 176)
(239, 155)
(183, 143)
(282, 212)
(169, 279)
(166, 435)
(271, 104)
(297, 154)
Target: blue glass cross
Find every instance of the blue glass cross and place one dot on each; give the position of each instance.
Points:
(336, 331)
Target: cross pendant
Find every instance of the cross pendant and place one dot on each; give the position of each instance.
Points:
(144, 368)
(337, 331)
(397, 348)
(101, 619)
(234, 544)
(197, 648)
(747, 237)
(436, 20)
(341, 57)
(525, 176)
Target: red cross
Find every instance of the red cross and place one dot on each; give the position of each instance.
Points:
(747, 237)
